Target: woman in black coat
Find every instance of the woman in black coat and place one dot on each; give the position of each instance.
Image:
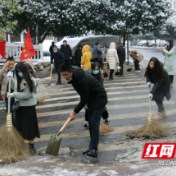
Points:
(155, 74)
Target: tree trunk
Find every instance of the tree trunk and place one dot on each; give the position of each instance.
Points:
(124, 38)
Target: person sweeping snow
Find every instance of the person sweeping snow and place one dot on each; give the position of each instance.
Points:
(157, 75)
(91, 93)
(26, 94)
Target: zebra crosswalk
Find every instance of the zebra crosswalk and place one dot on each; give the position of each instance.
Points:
(127, 106)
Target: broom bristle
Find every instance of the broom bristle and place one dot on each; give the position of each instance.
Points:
(150, 129)
(12, 146)
(105, 128)
(40, 100)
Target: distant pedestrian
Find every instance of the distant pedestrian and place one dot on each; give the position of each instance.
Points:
(58, 58)
(157, 75)
(51, 48)
(112, 59)
(78, 55)
(97, 73)
(121, 55)
(25, 91)
(97, 54)
(169, 58)
(92, 94)
(66, 50)
(137, 57)
(86, 58)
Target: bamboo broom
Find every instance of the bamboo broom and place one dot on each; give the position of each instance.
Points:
(152, 128)
(12, 145)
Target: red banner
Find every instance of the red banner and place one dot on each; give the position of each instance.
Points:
(28, 48)
(2, 48)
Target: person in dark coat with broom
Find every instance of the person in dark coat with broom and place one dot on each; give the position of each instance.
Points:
(157, 75)
(25, 92)
(92, 94)
(97, 73)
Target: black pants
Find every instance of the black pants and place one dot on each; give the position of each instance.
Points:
(160, 105)
(68, 61)
(104, 115)
(58, 71)
(136, 65)
(121, 66)
(171, 78)
(94, 125)
(111, 74)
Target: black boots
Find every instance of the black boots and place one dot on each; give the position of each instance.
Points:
(90, 153)
(32, 150)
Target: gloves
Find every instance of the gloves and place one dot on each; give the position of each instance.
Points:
(52, 65)
(81, 66)
(150, 96)
(148, 84)
(9, 95)
(10, 74)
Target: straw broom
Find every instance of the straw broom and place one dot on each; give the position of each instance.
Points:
(12, 145)
(105, 128)
(152, 128)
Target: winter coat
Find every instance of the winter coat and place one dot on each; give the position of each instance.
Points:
(136, 55)
(4, 82)
(101, 75)
(66, 50)
(58, 58)
(97, 52)
(169, 60)
(112, 57)
(25, 97)
(86, 57)
(90, 90)
(121, 53)
(78, 55)
(160, 89)
(51, 49)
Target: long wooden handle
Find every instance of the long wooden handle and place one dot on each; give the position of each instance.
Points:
(51, 73)
(65, 124)
(9, 98)
(150, 109)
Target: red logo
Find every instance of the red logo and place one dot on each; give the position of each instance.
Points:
(159, 151)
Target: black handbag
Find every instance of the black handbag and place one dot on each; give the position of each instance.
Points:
(15, 106)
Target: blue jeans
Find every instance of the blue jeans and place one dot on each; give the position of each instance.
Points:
(11, 104)
(94, 125)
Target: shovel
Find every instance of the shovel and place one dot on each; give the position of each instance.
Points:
(55, 141)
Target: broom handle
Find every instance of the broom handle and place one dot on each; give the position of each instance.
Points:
(150, 109)
(9, 98)
(51, 73)
(65, 124)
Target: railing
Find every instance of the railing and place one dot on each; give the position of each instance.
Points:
(13, 49)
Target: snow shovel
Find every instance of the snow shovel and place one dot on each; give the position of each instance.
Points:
(55, 141)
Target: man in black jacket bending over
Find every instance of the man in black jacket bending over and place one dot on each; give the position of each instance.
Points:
(91, 93)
